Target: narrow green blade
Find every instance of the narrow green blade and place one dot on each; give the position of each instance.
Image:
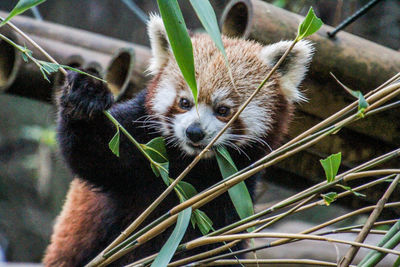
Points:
(179, 40)
(208, 19)
(21, 7)
(239, 194)
(167, 251)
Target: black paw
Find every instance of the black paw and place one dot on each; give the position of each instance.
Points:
(84, 97)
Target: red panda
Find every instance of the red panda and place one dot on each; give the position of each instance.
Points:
(112, 191)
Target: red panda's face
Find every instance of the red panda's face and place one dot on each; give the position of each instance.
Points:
(171, 104)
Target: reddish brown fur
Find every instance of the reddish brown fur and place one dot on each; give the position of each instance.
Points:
(78, 225)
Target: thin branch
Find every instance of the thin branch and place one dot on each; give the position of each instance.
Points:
(216, 239)
(351, 253)
(273, 262)
(34, 44)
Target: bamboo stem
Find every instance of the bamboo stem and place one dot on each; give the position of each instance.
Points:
(351, 253)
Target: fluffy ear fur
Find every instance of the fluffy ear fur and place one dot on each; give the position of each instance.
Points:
(160, 47)
(293, 68)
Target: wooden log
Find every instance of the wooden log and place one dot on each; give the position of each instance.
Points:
(86, 39)
(357, 62)
(122, 70)
(27, 80)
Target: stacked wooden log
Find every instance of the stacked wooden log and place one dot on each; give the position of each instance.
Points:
(121, 63)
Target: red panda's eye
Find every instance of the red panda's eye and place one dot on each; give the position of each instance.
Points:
(185, 103)
(223, 111)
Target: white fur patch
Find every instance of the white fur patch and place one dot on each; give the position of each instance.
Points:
(256, 118)
(158, 42)
(296, 65)
(164, 98)
(208, 122)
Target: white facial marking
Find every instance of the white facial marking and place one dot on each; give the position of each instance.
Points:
(257, 120)
(164, 98)
(208, 122)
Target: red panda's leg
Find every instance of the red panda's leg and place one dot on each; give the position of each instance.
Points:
(77, 231)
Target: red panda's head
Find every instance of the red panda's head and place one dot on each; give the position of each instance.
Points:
(265, 119)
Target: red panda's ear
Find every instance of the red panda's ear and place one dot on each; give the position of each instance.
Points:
(160, 47)
(293, 69)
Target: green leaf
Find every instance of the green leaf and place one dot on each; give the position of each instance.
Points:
(279, 3)
(329, 197)
(348, 188)
(49, 67)
(331, 166)
(188, 189)
(114, 143)
(24, 57)
(185, 191)
(167, 251)
(156, 149)
(208, 19)
(239, 194)
(201, 219)
(362, 103)
(180, 41)
(21, 7)
(161, 169)
(309, 26)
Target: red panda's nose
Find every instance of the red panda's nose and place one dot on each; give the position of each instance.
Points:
(194, 132)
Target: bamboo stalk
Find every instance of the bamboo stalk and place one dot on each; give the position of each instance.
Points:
(216, 239)
(274, 262)
(351, 253)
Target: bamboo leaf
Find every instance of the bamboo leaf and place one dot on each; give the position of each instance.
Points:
(329, 197)
(180, 41)
(309, 26)
(331, 166)
(185, 191)
(156, 149)
(167, 251)
(201, 219)
(362, 103)
(348, 188)
(114, 143)
(21, 7)
(208, 19)
(239, 194)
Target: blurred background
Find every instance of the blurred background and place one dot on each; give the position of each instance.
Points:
(33, 178)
